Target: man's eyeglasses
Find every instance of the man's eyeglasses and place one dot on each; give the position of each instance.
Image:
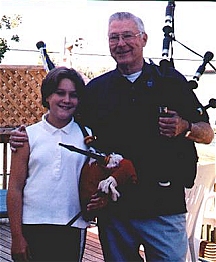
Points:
(127, 37)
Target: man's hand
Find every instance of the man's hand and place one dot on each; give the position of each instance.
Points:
(109, 186)
(173, 125)
(17, 138)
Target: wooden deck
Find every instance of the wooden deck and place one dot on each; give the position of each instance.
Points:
(92, 250)
(5, 242)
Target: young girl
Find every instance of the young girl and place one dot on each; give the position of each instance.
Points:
(43, 193)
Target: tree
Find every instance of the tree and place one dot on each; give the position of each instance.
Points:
(7, 23)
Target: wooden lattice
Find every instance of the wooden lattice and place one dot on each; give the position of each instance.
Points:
(20, 98)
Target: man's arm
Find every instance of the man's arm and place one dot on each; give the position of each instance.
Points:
(199, 132)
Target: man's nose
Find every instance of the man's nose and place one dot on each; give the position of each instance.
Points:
(121, 40)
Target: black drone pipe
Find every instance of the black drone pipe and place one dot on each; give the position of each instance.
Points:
(48, 64)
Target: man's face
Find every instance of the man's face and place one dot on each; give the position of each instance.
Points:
(126, 42)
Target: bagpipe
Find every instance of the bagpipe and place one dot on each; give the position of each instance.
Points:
(167, 54)
(101, 173)
(97, 178)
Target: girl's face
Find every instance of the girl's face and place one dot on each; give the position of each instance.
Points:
(63, 104)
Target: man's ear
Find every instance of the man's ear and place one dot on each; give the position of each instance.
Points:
(144, 38)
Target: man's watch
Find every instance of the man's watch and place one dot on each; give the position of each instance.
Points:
(188, 130)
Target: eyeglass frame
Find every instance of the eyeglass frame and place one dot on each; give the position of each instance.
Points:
(115, 41)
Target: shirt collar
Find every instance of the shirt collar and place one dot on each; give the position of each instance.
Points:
(52, 129)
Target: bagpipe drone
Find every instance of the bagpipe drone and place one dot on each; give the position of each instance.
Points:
(47, 63)
(167, 50)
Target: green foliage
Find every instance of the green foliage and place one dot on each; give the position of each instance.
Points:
(3, 48)
(7, 23)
